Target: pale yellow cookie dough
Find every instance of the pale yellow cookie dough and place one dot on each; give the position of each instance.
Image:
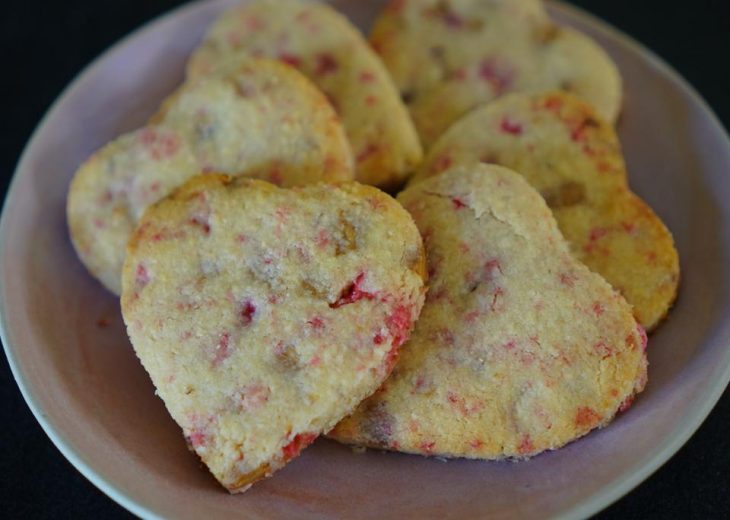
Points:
(519, 347)
(265, 315)
(327, 48)
(259, 118)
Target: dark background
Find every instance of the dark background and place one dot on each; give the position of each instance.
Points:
(43, 45)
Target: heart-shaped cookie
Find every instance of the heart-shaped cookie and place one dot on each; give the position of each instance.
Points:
(260, 119)
(326, 47)
(519, 347)
(265, 315)
(573, 158)
(449, 56)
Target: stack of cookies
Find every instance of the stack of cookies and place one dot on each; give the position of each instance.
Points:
(496, 308)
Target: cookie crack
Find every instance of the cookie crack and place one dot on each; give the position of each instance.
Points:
(460, 203)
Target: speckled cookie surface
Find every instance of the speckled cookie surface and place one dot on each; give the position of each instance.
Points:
(519, 348)
(573, 158)
(449, 56)
(259, 119)
(264, 315)
(324, 46)
(260, 113)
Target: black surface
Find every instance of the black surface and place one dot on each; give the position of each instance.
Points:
(45, 44)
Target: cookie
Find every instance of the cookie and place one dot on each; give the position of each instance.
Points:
(259, 112)
(563, 147)
(260, 119)
(449, 56)
(519, 347)
(264, 315)
(329, 50)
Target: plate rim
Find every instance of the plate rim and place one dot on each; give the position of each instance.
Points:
(77, 460)
(610, 493)
(670, 445)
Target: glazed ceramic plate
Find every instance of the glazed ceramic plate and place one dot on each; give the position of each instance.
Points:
(66, 344)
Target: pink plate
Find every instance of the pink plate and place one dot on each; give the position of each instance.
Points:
(65, 340)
